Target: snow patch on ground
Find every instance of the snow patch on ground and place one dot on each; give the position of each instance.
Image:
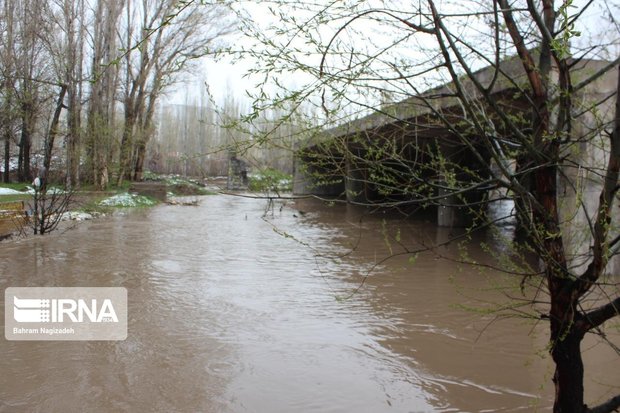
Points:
(29, 191)
(52, 190)
(77, 216)
(9, 191)
(127, 200)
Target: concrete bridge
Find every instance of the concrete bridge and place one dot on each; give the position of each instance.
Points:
(391, 157)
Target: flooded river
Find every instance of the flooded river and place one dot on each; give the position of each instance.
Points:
(236, 307)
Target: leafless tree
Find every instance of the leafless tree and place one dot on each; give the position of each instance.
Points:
(162, 39)
(449, 93)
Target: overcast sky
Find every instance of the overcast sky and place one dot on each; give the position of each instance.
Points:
(225, 78)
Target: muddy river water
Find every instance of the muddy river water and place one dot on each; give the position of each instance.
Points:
(235, 307)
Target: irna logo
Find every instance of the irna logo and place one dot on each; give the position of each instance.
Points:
(32, 310)
(65, 313)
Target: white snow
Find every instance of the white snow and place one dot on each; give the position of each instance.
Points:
(30, 191)
(127, 200)
(9, 191)
(76, 216)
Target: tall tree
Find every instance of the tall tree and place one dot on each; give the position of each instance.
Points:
(492, 82)
(103, 86)
(68, 57)
(33, 73)
(64, 39)
(8, 82)
(170, 36)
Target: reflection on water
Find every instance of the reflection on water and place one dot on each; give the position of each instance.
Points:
(230, 312)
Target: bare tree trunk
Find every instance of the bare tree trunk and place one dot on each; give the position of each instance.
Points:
(140, 155)
(146, 126)
(8, 134)
(8, 60)
(73, 12)
(125, 155)
(51, 136)
(25, 144)
(7, 159)
(73, 140)
(568, 376)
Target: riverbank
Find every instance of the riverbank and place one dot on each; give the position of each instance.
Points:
(17, 200)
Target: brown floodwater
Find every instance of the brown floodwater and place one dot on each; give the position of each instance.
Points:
(238, 307)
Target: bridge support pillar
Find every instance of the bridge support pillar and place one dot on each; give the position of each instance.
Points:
(459, 211)
(447, 211)
(355, 183)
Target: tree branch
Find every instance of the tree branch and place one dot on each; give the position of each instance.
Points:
(611, 405)
(597, 75)
(360, 15)
(597, 317)
(533, 75)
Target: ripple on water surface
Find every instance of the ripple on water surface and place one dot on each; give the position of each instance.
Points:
(235, 310)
